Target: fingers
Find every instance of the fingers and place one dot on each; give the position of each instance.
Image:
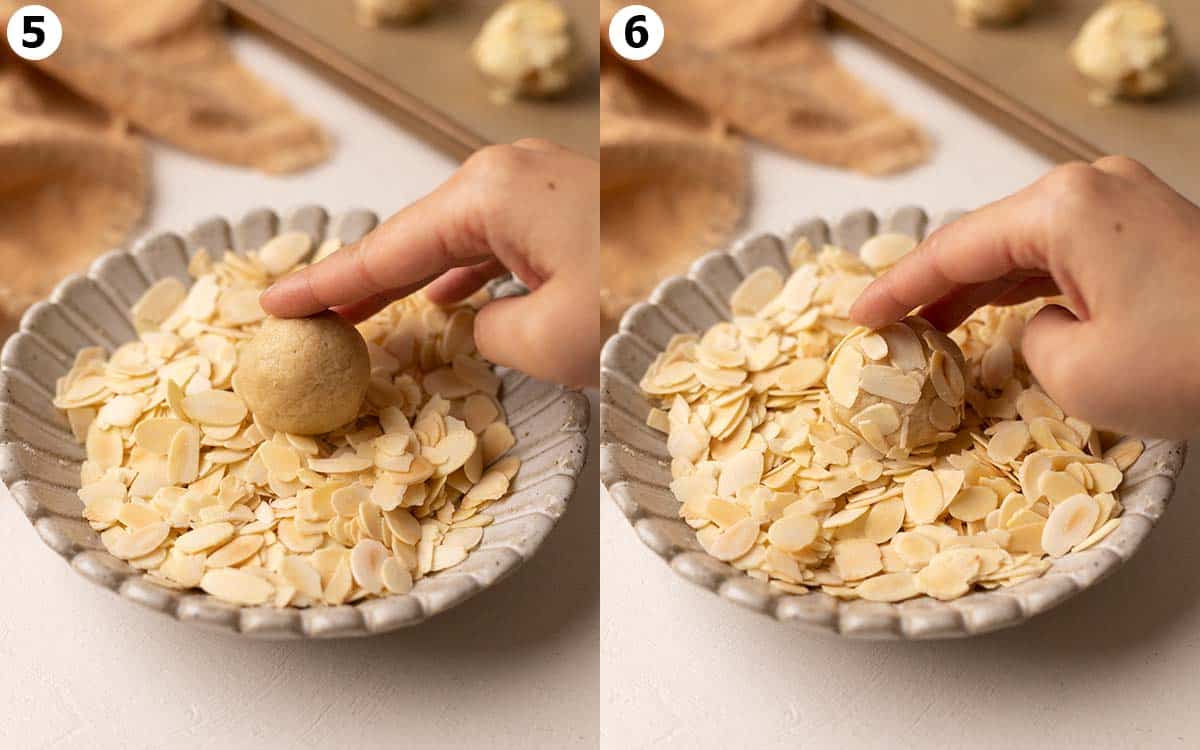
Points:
(529, 208)
(418, 243)
(459, 283)
(1042, 286)
(356, 312)
(453, 226)
(1049, 338)
(546, 333)
(983, 246)
(471, 217)
(950, 311)
(947, 312)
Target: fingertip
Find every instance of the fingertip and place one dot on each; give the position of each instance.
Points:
(869, 309)
(859, 317)
(287, 297)
(269, 301)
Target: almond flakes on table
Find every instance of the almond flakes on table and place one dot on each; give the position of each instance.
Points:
(183, 483)
(994, 482)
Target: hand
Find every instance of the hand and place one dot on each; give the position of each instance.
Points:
(531, 208)
(1124, 250)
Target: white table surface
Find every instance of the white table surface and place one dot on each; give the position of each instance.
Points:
(1114, 668)
(513, 668)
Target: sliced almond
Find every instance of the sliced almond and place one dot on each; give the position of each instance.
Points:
(756, 290)
(183, 456)
(237, 586)
(794, 533)
(282, 252)
(204, 537)
(302, 575)
(973, 503)
(143, 541)
(890, 383)
(1009, 440)
(874, 346)
(236, 551)
(735, 541)
(889, 587)
(1069, 523)
(857, 558)
(904, 347)
(340, 584)
(844, 376)
(396, 577)
(496, 440)
(886, 249)
(366, 559)
(215, 407)
(923, 498)
(884, 519)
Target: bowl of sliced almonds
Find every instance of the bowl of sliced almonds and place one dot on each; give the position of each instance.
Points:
(898, 483)
(124, 439)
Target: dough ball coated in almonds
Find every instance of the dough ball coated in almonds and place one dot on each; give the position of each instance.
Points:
(527, 48)
(305, 376)
(899, 388)
(1126, 49)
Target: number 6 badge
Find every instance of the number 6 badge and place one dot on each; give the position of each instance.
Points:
(636, 32)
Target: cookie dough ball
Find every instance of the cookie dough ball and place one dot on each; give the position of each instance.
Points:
(377, 12)
(991, 12)
(305, 376)
(527, 48)
(1125, 50)
(899, 388)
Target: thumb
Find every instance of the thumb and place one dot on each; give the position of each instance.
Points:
(1051, 346)
(547, 333)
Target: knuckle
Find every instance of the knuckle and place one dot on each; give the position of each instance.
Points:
(496, 163)
(1122, 165)
(536, 144)
(1072, 180)
(492, 176)
(1070, 193)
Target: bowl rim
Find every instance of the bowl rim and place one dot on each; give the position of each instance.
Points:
(634, 467)
(39, 466)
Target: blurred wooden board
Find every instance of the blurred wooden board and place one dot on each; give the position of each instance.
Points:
(422, 74)
(1022, 77)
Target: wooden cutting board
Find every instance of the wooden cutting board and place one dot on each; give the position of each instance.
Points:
(1022, 78)
(422, 74)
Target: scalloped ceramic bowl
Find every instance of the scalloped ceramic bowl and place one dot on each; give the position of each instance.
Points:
(634, 464)
(39, 459)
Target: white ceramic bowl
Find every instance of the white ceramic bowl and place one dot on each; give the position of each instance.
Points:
(39, 458)
(635, 467)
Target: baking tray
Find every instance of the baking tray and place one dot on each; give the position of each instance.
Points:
(422, 74)
(1022, 78)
